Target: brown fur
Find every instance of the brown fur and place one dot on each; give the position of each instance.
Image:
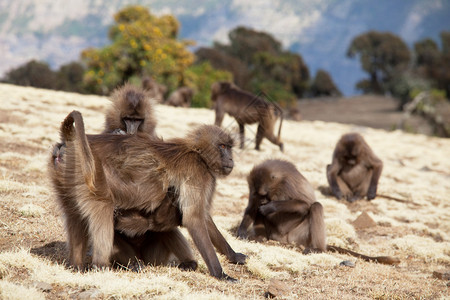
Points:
(246, 109)
(107, 172)
(156, 90)
(131, 111)
(152, 237)
(181, 97)
(282, 207)
(355, 170)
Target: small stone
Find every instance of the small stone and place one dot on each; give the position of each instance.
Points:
(43, 286)
(276, 289)
(89, 294)
(442, 274)
(364, 221)
(347, 263)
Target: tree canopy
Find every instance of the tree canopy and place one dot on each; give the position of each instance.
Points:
(258, 63)
(323, 85)
(383, 56)
(142, 44)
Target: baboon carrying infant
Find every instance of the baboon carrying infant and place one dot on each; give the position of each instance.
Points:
(108, 172)
(131, 111)
(282, 207)
(246, 109)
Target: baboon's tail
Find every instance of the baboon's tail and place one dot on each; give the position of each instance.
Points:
(279, 128)
(75, 136)
(317, 225)
(387, 260)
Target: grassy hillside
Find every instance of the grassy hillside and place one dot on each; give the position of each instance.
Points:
(416, 170)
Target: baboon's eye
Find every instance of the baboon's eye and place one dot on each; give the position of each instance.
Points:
(222, 146)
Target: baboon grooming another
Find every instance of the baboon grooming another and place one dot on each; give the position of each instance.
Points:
(131, 111)
(107, 172)
(246, 109)
(282, 207)
(355, 170)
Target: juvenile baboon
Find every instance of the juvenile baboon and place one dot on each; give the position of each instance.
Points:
(104, 173)
(355, 170)
(131, 111)
(156, 90)
(246, 109)
(181, 97)
(152, 237)
(282, 207)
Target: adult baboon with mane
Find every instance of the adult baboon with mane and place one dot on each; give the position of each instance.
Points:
(103, 173)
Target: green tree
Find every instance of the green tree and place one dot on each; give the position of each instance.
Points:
(223, 61)
(201, 76)
(383, 55)
(70, 77)
(258, 63)
(432, 64)
(442, 71)
(142, 44)
(323, 85)
(246, 42)
(33, 73)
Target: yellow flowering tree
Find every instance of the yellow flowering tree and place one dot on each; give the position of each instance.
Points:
(142, 44)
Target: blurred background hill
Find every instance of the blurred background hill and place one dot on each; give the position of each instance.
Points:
(321, 30)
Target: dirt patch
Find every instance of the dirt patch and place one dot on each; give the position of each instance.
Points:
(370, 111)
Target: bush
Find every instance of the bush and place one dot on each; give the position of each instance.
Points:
(201, 76)
(32, 73)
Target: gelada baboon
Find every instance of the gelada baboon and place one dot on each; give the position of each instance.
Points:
(181, 97)
(246, 109)
(151, 237)
(156, 90)
(131, 110)
(282, 207)
(104, 173)
(355, 170)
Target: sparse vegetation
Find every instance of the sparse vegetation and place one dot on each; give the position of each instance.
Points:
(32, 257)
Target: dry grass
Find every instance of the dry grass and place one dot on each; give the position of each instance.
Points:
(417, 231)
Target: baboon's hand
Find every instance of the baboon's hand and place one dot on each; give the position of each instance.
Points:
(268, 208)
(337, 192)
(227, 278)
(239, 259)
(242, 234)
(371, 193)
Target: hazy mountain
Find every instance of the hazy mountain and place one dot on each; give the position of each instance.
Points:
(321, 30)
